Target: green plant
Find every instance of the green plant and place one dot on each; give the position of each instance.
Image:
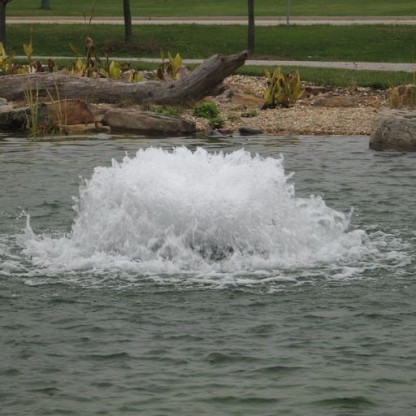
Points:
(164, 110)
(32, 117)
(28, 50)
(113, 71)
(282, 89)
(233, 117)
(169, 70)
(207, 110)
(6, 61)
(249, 113)
(216, 122)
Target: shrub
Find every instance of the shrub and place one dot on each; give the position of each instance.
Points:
(208, 110)
(216, 122)
(233, 117)
(168, 111)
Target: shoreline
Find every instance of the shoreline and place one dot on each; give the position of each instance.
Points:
(322, 110)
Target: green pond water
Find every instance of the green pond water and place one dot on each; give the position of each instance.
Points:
(198, 276)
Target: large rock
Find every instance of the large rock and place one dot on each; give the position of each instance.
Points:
(146, 122)
(49, 115)
(13, 119)
(65, 112)
(395, 132)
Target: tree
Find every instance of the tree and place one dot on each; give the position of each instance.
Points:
(45, 5)
(251, 36)
(127, 20)
(3, 4)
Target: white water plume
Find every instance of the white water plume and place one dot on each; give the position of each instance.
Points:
(197, 212)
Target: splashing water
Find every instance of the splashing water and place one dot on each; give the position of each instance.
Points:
(195, 212)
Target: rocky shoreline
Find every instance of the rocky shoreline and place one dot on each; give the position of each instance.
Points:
(322, 110)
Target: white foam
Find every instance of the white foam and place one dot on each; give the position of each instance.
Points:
(196, 213)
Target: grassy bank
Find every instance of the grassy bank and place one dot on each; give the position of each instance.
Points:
(340, 77)
(318, 42)
(378, 43)
(216, 8)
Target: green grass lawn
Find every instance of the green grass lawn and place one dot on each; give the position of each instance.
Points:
(318, 42)
(217, 8)
(377, 43)
(340, 77)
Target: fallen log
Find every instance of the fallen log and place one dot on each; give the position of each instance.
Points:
(197, 85)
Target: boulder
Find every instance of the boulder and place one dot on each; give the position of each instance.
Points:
(396, 131)
(65, 112)
(249, 131)
(240, 98)
(13, 119)
(147, 122)
(60, 113)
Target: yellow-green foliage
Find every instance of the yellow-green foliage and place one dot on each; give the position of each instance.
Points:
(79, 69)
(86, 67)
(282, 89)
(28, 50)
(7, 66)
(171, 68)
(113, 71)
(5, 61)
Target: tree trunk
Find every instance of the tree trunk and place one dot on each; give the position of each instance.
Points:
(127, 21)
(45, 5)
(3, 4)
(197, 85)
(251, 35)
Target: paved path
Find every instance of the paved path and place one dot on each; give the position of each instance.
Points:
(232, 20)
(358, 66)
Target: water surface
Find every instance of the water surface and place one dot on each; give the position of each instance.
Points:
(199, 276)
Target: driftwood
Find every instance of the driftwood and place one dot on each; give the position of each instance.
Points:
(197, 85)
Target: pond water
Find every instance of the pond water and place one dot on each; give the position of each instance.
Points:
(161, 276)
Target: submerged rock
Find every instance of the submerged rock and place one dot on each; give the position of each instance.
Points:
(395, 132)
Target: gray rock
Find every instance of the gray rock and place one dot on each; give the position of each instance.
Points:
(396, 131)
(249, 131)
(146, 122)
(3, 101)
(13, 119)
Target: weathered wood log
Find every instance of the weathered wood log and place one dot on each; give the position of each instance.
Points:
(192, 88)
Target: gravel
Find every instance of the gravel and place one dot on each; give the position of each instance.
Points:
(322, 110)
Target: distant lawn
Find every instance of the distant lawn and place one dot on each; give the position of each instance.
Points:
(377, 43)
(341, 77)
(217, 8)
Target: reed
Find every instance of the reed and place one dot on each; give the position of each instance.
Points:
(32, 116)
